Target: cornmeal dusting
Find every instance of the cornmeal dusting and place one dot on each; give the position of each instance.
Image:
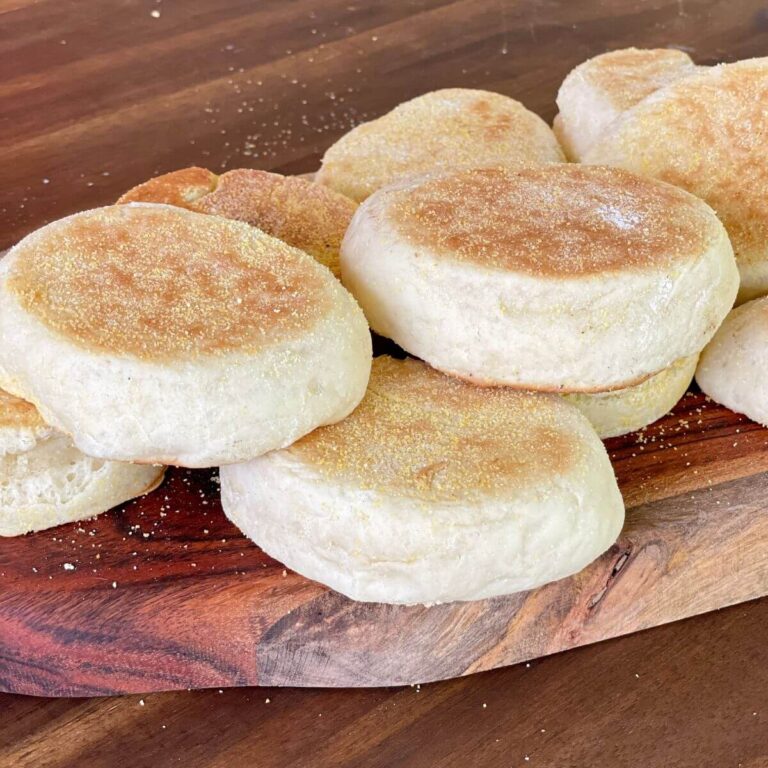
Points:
(163, 283)
(709, 135)
(420, 432)
(450, 128)
(303, 214)
(631, 74)
(553, 220)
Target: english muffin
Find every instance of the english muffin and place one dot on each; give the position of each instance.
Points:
(733, 366)
(556, 277)
(627, 410)
(601, 89)
(706, 134)
(45, 481)
(150, 333)
(450, 128)
(433, 490)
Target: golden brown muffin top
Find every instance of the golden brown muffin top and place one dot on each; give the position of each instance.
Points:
(162, 283)
(706, 134)
(557, 220)
(421, 433)
(181, 188)
(445, 129)
(631, 74)
(303, 214)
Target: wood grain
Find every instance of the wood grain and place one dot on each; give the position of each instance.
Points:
(97, 95)
(687, 695)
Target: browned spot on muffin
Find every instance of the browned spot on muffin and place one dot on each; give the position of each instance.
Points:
(706, 134)
(303, 214)
(420, 432)
(553, 220)
(181, 188)
(632, 74)
(444, 129)
(162, 283)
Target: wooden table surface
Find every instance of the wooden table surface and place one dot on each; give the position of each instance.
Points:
(97, 95)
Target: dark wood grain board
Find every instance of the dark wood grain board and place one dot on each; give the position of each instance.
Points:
(97, 95)
(686, 695)
(166, 594)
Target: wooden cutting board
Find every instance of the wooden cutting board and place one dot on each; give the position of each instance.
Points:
(165, 593)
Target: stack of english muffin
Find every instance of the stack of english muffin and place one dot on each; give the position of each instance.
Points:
(209, 320)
